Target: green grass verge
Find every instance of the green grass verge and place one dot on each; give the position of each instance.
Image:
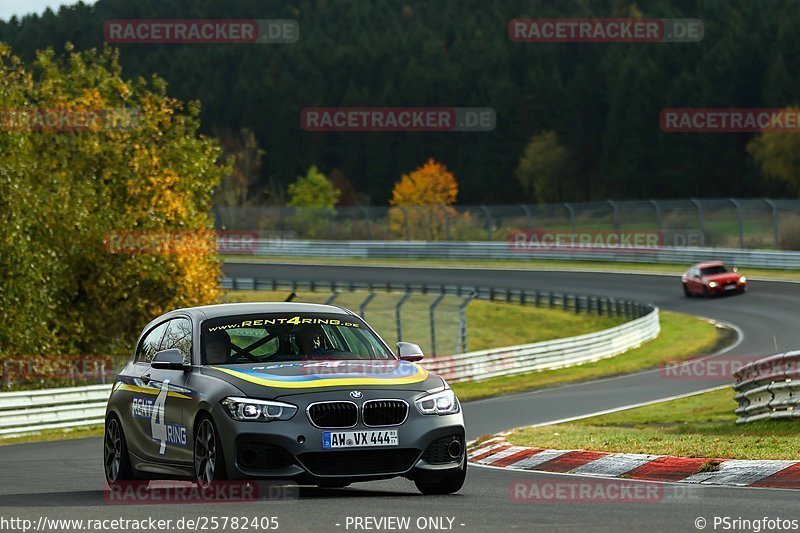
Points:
(682, 337)
(55, 434)
(660, 268)
(490, 324)
(697, 426)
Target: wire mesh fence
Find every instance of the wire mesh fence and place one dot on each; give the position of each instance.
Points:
(715, 222)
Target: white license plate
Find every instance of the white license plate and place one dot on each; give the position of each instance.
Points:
(730, 287)
(358, 439)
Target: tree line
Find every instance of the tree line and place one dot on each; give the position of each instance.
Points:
(574, 121)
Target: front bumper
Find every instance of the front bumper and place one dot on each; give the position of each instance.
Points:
(722, 288)
(293, 449)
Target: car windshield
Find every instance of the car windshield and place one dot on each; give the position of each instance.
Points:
(288, 337)
(712, 270)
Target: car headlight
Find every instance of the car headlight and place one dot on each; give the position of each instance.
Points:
(258, 410)
(439, 403)
(742, 279)
(712, 284)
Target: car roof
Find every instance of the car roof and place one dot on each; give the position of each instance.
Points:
(709, 264)
(204, 312)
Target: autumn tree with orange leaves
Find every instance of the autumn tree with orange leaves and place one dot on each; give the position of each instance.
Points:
(423, 202)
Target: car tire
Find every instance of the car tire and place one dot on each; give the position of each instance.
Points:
(116, 461)
(447, 484)
(208, 458)
(686, 291)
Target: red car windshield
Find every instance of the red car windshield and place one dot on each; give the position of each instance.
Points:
(713, 270)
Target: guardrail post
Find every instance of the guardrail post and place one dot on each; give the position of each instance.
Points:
(775, 229)
(701, 217)
(738, 206)
(528, 218)
(571, 212)
(462, 323)
(577, 304)
(398, 314)
(407, 224)
(615, 207)
(332, 298)
(446, 223)
(432, 312)
(658, 214)
(564, 302)
(362, 309)
(488, 216)
(367, 223)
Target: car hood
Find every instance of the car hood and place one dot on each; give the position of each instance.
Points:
(275, 379)
(723, 278)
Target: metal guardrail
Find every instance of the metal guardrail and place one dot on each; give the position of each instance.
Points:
(491, 250)
(549, 354)
(575, 303)
(723, 222)
(38, 410)
(768, 388)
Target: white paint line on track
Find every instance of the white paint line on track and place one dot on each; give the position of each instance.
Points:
(740, 338)
(627, 407)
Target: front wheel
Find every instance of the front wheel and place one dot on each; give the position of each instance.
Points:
(209, 463)
(686, 291)
(447, 484)
(116, 461)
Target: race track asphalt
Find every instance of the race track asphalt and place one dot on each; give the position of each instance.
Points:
(65, 480)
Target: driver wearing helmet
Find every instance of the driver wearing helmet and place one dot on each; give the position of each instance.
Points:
(218, 348)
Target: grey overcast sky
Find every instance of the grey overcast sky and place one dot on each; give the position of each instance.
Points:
(9, 8)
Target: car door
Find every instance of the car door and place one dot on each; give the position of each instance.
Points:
(168, 422)
(695, 283)
(139, 394)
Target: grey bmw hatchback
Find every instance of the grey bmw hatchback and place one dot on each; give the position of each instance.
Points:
(293, 391)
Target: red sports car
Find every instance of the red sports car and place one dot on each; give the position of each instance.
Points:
(709, 279)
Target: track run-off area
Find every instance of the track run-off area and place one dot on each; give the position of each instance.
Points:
(65, 479)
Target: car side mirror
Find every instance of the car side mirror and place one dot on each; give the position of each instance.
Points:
(735, 269)
(408, 351)
(171, 359)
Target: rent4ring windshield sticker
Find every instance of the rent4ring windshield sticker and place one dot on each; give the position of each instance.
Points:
(280, 321)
